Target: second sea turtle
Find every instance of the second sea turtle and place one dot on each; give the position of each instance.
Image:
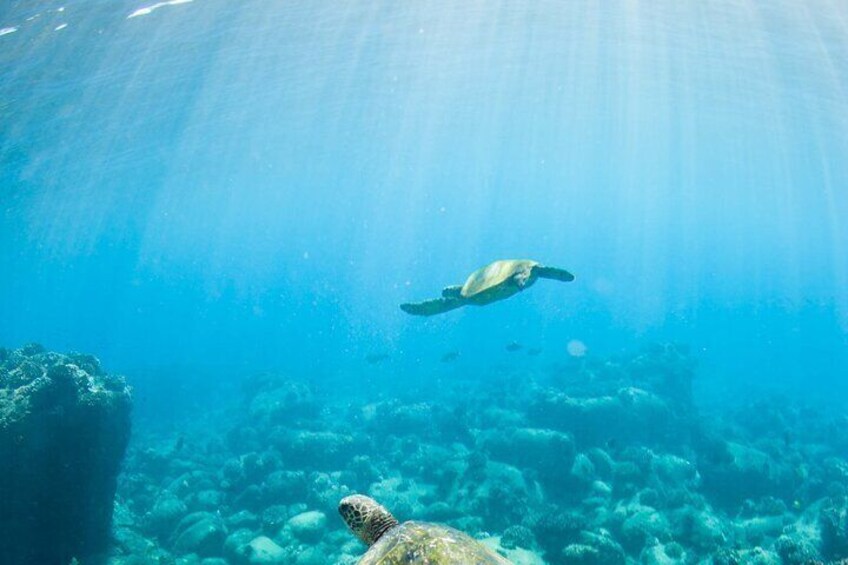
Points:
(410, 543)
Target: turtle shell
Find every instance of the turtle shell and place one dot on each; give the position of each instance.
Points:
(422, 543)
(493, 275)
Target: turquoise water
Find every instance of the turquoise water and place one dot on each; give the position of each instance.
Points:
(203, 190)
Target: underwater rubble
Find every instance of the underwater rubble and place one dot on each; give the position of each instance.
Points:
(602, 461)
(64, 428)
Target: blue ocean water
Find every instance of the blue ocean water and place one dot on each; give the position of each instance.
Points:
(200, 190)
(251, 183)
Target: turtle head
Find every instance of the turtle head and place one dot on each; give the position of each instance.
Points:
(366, 517)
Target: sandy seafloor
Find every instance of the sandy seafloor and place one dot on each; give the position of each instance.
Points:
(594, 460)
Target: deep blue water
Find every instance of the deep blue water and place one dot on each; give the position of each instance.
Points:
(215, 187)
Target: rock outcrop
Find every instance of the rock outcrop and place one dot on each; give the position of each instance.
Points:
(64, 427)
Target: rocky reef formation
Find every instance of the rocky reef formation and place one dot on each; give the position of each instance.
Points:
(600, 461)
(64, 428)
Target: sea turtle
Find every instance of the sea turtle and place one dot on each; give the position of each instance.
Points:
(493, 282)
(410, 543)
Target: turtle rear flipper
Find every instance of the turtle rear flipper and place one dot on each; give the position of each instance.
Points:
(432, 307)
(454, 291)
(553, 273)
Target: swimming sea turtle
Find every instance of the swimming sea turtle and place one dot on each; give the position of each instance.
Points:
(410, 543)
(493, 282)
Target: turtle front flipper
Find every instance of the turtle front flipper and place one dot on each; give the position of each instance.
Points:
(553, 273)
(432, 307)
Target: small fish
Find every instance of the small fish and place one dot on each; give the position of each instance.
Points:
(533, 351)
(450, 356)
(787, 438)
(514, 346)
(178, 445)
(374, 358)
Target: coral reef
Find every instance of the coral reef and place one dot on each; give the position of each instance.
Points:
(64, 428)
(600, 461)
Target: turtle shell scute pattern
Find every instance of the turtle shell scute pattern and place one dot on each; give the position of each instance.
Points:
(420, 543)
